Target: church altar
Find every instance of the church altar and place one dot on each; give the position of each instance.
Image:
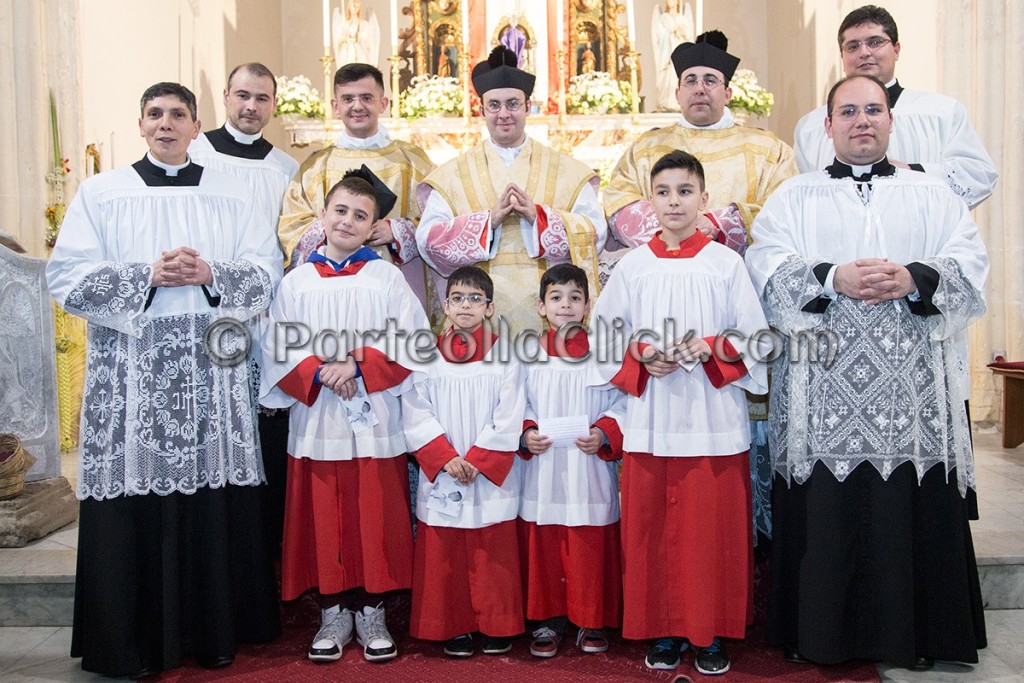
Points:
(598, 141)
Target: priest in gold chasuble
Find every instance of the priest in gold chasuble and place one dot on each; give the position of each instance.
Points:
(359, 102)
(510, 205)
(742, 165)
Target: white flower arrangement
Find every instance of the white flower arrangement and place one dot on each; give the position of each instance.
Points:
(598, 93)
(748, 95)
(298, 96)
(430, 94)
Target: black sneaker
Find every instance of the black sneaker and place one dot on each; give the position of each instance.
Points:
(711, 660)
(663, 654)
(494, 646)
(459, 646)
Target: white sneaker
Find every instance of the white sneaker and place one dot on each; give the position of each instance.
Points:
(372, 634)
(335, 633)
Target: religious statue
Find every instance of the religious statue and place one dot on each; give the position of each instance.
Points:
(670, 25)
(588, 62)
(514, 38)
(356, 34)
(448, 58)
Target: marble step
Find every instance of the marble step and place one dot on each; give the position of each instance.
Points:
(37, 585)
(1002, 582)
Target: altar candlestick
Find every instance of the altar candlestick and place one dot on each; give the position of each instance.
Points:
(394, 27)
(700, 16)
(560, 23)
(630, 21)
(464, 6)
(327, 27)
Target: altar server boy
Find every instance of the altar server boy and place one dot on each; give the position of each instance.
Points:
(330, 354)
(686, 528)
(569, 514)
(463, 421)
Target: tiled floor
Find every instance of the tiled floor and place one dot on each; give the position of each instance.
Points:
(41, 653)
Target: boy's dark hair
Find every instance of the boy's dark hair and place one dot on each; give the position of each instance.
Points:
(358, 186)
(172, 89)
(256, 69)
(357, 71)
(870, 14)
(679, 159)
(832, 92)
(472, 276)
(562, 274)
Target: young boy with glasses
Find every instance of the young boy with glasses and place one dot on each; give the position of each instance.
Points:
(463, 421)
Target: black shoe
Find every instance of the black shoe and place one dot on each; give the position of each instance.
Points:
(217, 662)
(494, 646)
(459, 646)
(922, 664)
(793, 656)
(663, 654)
(711, 660)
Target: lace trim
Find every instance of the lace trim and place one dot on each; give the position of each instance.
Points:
(159, 417)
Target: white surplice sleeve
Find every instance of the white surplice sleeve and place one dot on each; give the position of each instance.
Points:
(247, 282)
(87, 280)
(965, 165)
(506, 426)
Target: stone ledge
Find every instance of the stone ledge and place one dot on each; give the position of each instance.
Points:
(44, 506)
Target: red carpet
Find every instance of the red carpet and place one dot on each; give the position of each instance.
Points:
(285, 660)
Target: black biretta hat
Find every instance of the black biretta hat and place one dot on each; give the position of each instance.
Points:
(501, 71)
(385, 197)
(709, 50)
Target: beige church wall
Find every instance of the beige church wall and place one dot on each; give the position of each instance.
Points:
(38, 55)
(803, 53)
(129, 45)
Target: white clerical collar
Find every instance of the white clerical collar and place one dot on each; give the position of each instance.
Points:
(861, 170)
(375, 141)
(508, 154)
(891, 83)
(239, 136)
(168, 168)
(726, 121)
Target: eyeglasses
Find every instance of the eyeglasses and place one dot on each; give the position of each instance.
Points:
(710, 82)
(872, 43)
(365, 98)
(494, 106)
(471, 299)
(850, 113)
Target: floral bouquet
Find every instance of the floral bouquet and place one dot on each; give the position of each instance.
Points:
(748, 95)
(598, 93)
(298, 96)
(429, 94)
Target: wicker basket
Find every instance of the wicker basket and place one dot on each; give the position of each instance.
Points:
(14, 463)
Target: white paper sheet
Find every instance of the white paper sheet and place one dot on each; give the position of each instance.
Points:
(564, 431)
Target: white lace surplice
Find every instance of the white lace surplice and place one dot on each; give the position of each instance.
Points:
(893, 393)
(158, 416)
